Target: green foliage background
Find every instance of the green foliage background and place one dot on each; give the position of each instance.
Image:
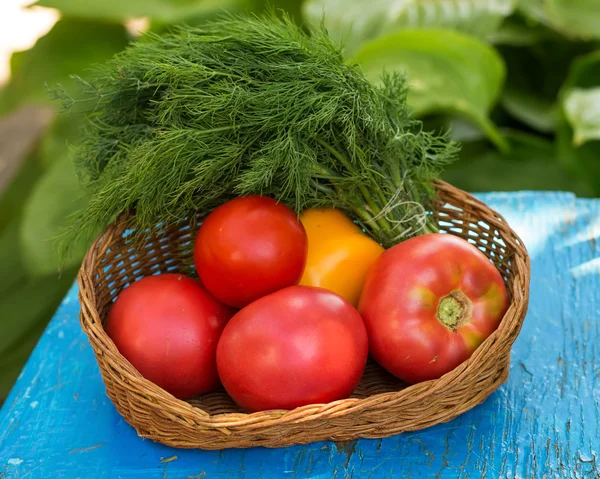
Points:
(516, 81)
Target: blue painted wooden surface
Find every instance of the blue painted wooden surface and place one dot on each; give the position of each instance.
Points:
(543, 423)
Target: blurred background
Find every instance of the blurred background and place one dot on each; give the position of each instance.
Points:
(516, 81)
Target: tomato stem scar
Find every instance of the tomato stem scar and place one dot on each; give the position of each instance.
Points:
(454, 310)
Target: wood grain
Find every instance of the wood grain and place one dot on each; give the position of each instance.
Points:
(544, 422)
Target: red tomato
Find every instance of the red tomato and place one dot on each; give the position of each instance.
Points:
(301, 345)
(428, 303)
(167, 327)
(250, 247)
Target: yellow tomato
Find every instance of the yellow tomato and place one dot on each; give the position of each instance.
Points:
(339, 253)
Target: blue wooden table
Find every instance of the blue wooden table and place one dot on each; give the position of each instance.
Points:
(543, 423)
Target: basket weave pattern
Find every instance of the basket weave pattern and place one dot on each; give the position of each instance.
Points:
(381, 405)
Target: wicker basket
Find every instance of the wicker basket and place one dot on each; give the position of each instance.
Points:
(381, 405)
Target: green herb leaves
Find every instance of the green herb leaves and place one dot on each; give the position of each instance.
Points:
(252, 105)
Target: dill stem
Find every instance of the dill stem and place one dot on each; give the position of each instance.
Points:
(320, 187)
(362, 213)
(366, 217)
(430, 228)
(372, 205)
(382, 197)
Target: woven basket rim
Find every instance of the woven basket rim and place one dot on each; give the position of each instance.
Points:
(505, 332)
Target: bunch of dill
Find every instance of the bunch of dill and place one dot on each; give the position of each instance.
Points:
(250, 105)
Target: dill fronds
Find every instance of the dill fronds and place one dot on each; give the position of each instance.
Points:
(250, 105)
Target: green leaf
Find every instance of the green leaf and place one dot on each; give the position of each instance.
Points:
(582, 108)
(29, 302)
(56, 196)
(462, 130)
(584, 72)
(458, 129)
(583, 162)
(43, 191)
(169, 11)
(447, 72)
(532, 110)
(54, 145)
(358, 21)
(209, 10)
(542, 69)
(532, 164)
(574, 18)
(534, 78)
(517, 30)
(69, 48)
(11, 262)
(581, 159)
(16, 192)
(293, 7)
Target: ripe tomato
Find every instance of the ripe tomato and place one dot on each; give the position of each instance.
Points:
(428, 303)
(167, 327)
(301, 345)
(250, 247)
